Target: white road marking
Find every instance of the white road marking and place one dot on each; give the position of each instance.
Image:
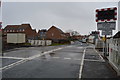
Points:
(82, 63)
(30, 58)
(13, 64)
(66, 58)
(26, 59)
(77, 59)
(94, 60)
(56, 57)
(101, 57)
(79, 47)
(12, 57)
(99, 54)
(114, 66)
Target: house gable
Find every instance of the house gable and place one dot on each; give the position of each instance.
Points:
(55, 33)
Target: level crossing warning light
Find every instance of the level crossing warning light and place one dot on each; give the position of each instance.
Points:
(106, 14)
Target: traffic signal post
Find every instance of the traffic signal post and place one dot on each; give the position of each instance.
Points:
(106, 21)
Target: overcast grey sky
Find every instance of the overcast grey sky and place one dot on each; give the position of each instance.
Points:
(79, 16)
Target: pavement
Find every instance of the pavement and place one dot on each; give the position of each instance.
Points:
(77, 61)
(96, 67)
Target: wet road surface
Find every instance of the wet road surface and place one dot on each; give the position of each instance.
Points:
(71, 61)
(64, 63)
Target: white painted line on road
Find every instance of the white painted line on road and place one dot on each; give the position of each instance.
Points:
(66, 58)
(94, 60)
(26, 59)
(99, 55)
(77, 59)
(113, 65)
(82, 63)
(56, 57)
(13, 64)
(79, 47)
(12, 57)
(30, 58)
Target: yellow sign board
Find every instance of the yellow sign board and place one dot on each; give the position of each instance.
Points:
(104, 38)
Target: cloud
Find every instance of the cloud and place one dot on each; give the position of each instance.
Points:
(61, 0)
(78, 16)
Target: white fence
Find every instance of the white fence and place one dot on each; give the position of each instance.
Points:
(40, 42)
(114, 54)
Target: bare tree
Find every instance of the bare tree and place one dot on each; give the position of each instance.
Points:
(72, 33)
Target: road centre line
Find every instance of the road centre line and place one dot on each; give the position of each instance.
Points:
(82, 63)
(30, 58)
(17, 64)
(13, 64)
(26, 59)
(12, 57)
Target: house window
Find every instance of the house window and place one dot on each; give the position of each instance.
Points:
(13, 31)
(23, 30)
(52, 34)
(7, 30)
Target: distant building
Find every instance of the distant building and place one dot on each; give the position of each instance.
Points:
(67, 35)
(35, 34)
(93, 36)
(56, 34)
(77, 37)
(23, 28)
(42, 34)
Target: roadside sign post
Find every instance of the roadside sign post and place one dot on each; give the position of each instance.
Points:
(105, 49)
(106, 21)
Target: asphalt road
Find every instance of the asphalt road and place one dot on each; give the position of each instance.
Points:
(79, 60)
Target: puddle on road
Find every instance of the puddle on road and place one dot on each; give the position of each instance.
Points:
(47, 56)
(51, 54)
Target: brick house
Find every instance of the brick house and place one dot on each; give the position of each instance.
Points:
(42, 34)
(67, 35)
(77, 37)
(23, 28)
(56, 34)
(35, 34)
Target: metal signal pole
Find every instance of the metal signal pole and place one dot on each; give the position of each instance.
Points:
(105, 46)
